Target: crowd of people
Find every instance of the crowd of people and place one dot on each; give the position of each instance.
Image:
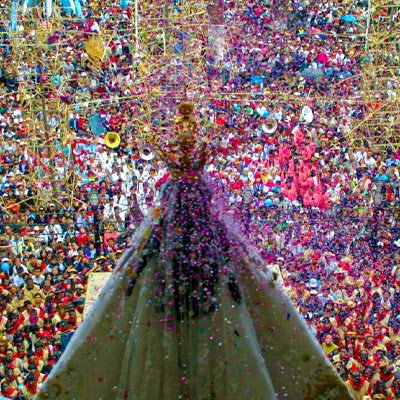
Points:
(322, 207)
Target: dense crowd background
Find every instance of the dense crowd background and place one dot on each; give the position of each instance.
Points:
(324, 210)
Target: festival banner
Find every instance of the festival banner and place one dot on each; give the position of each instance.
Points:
(96, 125)
(96, 282)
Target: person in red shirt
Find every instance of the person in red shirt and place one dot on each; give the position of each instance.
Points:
(8, 391)
(102, 90)
(14, 323)
(358, 385)
(31, 387)
(69, 297)
(83, 237)
(47, 330)
(115, 122)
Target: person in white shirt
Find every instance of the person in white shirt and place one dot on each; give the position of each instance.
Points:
(53, 230)
(141, 175)
(38, 277)
(102, 157)
(109, 211)
(360, 155)
(95, 27)
(71, 232)
(41, 235)
(15, 243)
(325, 296)
(21, 190)
(392, 161)
(116, 174)
(120, 201)
(18, 276)
(369, 160)
(152, 179)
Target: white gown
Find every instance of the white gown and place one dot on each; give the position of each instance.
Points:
(245, 341)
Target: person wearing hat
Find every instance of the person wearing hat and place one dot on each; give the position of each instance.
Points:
(6, 265)
(379, 357)
(79, 304)
(101, 259)
(74, 255)
(71, 269)
(51, 208)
